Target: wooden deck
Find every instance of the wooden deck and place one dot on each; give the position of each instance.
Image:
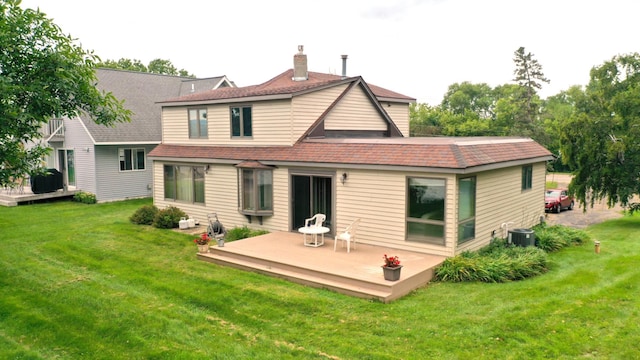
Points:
(358, 273)
(13, 197)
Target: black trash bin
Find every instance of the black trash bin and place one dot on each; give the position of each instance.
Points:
(522, 237)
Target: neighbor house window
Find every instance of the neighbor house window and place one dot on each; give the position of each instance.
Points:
(131, 159)
(198, 124)
(184, 183)
(466, 209)
(527, 177)
(256, 191)
(425, 210)
(241, 123)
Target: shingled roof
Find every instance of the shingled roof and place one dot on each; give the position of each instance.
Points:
(444, 154)
(284, 84)
(141, 92)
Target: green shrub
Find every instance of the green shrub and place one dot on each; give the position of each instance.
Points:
(497, 262)
(85, 197)
(144, 215)
(168, 218)
(555, 237)
(242, 232)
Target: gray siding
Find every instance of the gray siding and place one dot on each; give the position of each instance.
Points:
(77, 139)
(114, 184)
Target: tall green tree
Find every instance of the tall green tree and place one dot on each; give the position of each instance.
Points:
(155, 66)
(529, 76)
(124, 64)
(556, 110)
(43, 74)
(601, 139)
(466, 96)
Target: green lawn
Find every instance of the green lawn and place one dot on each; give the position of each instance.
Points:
(80, 282)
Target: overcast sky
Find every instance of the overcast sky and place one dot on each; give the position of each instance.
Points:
(414, 47)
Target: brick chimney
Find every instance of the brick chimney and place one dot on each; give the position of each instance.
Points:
(300, 65)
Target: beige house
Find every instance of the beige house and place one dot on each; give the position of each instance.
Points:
(271, 155)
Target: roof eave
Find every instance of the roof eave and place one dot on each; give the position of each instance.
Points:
(226, 101)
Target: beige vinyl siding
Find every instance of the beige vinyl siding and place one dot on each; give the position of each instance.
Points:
(221, 197)
(175, 125)
(500, 200)
(355, 112)
(399, 113)
(306, 109)
(383, 210)
(271, 124)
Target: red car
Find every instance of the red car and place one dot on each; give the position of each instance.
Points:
(557, 199)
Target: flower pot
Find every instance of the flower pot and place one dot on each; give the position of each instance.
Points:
(203, 248)
(392, 273)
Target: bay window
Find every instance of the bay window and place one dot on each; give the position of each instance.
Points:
(256, 191)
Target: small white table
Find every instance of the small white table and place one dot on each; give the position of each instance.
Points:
(313, 231)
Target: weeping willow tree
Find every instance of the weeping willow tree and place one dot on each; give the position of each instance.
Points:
(601, 141)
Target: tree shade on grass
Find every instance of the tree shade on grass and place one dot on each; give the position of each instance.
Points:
(82, 281)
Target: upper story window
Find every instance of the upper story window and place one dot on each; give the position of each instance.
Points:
(527, 177)
(198, 124)
(241, 123)
(131, 159)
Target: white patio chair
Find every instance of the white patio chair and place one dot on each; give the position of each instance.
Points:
(313, 226)
(317, 220)
(348, 235)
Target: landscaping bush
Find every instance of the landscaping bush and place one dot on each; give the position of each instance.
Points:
(497, 262)
(85, 197)
(144, 215)
(555, 237)
(168, 218)
(243, 232)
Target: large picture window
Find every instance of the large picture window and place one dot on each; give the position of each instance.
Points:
(426, 210)
(131, 159)
(466, 209)
(256, 191)
(198, 123)
(184, 183)
(241, 123)
(527, 177)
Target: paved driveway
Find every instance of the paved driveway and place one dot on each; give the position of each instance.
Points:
(577, 218)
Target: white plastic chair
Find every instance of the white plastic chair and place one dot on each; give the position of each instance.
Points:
(317, 220)
(348, 235)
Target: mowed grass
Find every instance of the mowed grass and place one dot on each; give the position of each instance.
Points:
(81, 282)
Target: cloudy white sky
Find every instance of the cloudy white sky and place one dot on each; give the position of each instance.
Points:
(415, 47)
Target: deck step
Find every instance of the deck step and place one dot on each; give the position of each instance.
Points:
(7, 202)
(358, 273)
(363, 289)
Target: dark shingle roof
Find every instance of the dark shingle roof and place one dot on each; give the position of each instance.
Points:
(283, 84)
(422, 152)
(140, 92)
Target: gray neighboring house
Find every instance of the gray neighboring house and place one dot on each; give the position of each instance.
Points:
(111, 162)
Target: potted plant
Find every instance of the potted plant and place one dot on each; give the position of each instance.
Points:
(391, 268)
(203, 243)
